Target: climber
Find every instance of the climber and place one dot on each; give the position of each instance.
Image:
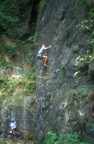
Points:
(43, 56)
(13, 126)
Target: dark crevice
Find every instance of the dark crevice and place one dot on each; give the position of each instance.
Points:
(33, 19)
(33, 16)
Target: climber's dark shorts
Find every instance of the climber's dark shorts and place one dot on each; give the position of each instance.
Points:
(39, 56)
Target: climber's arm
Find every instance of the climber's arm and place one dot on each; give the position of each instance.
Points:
(47, 47)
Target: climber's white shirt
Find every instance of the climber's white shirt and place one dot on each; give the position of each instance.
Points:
(13, 125)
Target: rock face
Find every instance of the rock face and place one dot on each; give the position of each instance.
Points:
(19, 108)
(64, 101)
(61, 96)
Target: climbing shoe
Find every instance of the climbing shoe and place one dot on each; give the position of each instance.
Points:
(45, 65)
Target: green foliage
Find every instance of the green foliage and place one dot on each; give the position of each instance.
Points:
(11, 12)
(83, 61)
(12, 51)
(33, 39)
(91, 39)
(88, 25)
(2, 142)
(31, 58)
(87, 1)
(12, 84)
(9, 50)
(5, 64)
(42, 5)
(29, 136)
(24, 85)
(68, 138)
(92, 127)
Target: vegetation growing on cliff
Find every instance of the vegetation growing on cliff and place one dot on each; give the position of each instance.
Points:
(11, 12)
(21, 82)
(15, 81)
(87, 25)
(68, 138)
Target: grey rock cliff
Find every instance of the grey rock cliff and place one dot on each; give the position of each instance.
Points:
(61, 96)
(64, 98)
